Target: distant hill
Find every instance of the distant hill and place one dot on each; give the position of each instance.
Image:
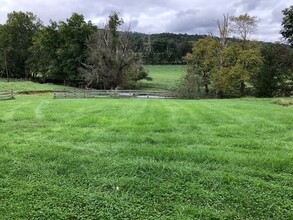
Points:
(164, 48)
(167, 48)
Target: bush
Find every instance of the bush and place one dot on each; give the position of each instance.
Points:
(189, 86)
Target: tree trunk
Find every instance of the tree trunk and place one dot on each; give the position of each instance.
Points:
(242, 88)
(6, 68)
(206, 90)
(219, 94)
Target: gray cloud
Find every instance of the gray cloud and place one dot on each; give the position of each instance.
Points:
(188, 12)
(189, 21)
(249, 5)
(153, 16)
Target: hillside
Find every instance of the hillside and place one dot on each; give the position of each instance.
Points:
(164, 48)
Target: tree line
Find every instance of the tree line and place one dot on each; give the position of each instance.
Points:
(79, 53)
(243, 67)
(74, 52)
(164, 48)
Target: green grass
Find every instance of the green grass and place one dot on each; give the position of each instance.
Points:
(25, 86)
(145, 159)
(164, 76)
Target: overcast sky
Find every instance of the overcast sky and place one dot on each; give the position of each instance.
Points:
(157, 16)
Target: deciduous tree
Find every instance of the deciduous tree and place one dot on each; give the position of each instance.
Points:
(287, 24)
(227, 65)
(275, 77)
(43, 61)
(16, 38)
(59, 50)
(243, 26)
(204, 55)
(111, 62)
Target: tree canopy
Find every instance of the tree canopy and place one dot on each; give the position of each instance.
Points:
(287, 23)
(275, 77)
(228, 66)
(111, 62)
(59, 49)
(78, 53)
(15, 39)
(243, 25)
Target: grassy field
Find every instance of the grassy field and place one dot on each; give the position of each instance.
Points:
(26, 86)
(145, 159)
(164, 77)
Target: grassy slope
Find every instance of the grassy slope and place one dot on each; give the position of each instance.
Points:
(164, 76)
(145, 159)
(23, 86)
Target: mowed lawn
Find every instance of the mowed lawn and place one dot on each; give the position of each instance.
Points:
(163, 76)
(145, 159)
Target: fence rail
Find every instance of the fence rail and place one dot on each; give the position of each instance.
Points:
(6, 94)
(77, 93)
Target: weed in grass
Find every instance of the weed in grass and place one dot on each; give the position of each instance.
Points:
(284, 101)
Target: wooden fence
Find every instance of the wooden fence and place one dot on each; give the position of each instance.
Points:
(6, 94)
(77, 93)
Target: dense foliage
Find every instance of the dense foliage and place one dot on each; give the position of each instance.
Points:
(111, 62)
(57, 52)
(59, 49)
(15, 40)
(165, 48)
(231, 66)
(275, 77)
(287, 23)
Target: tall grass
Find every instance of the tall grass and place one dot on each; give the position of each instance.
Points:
(28, 86)
(284, 101)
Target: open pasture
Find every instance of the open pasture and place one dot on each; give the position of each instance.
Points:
(164, 76)
(145, 159)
